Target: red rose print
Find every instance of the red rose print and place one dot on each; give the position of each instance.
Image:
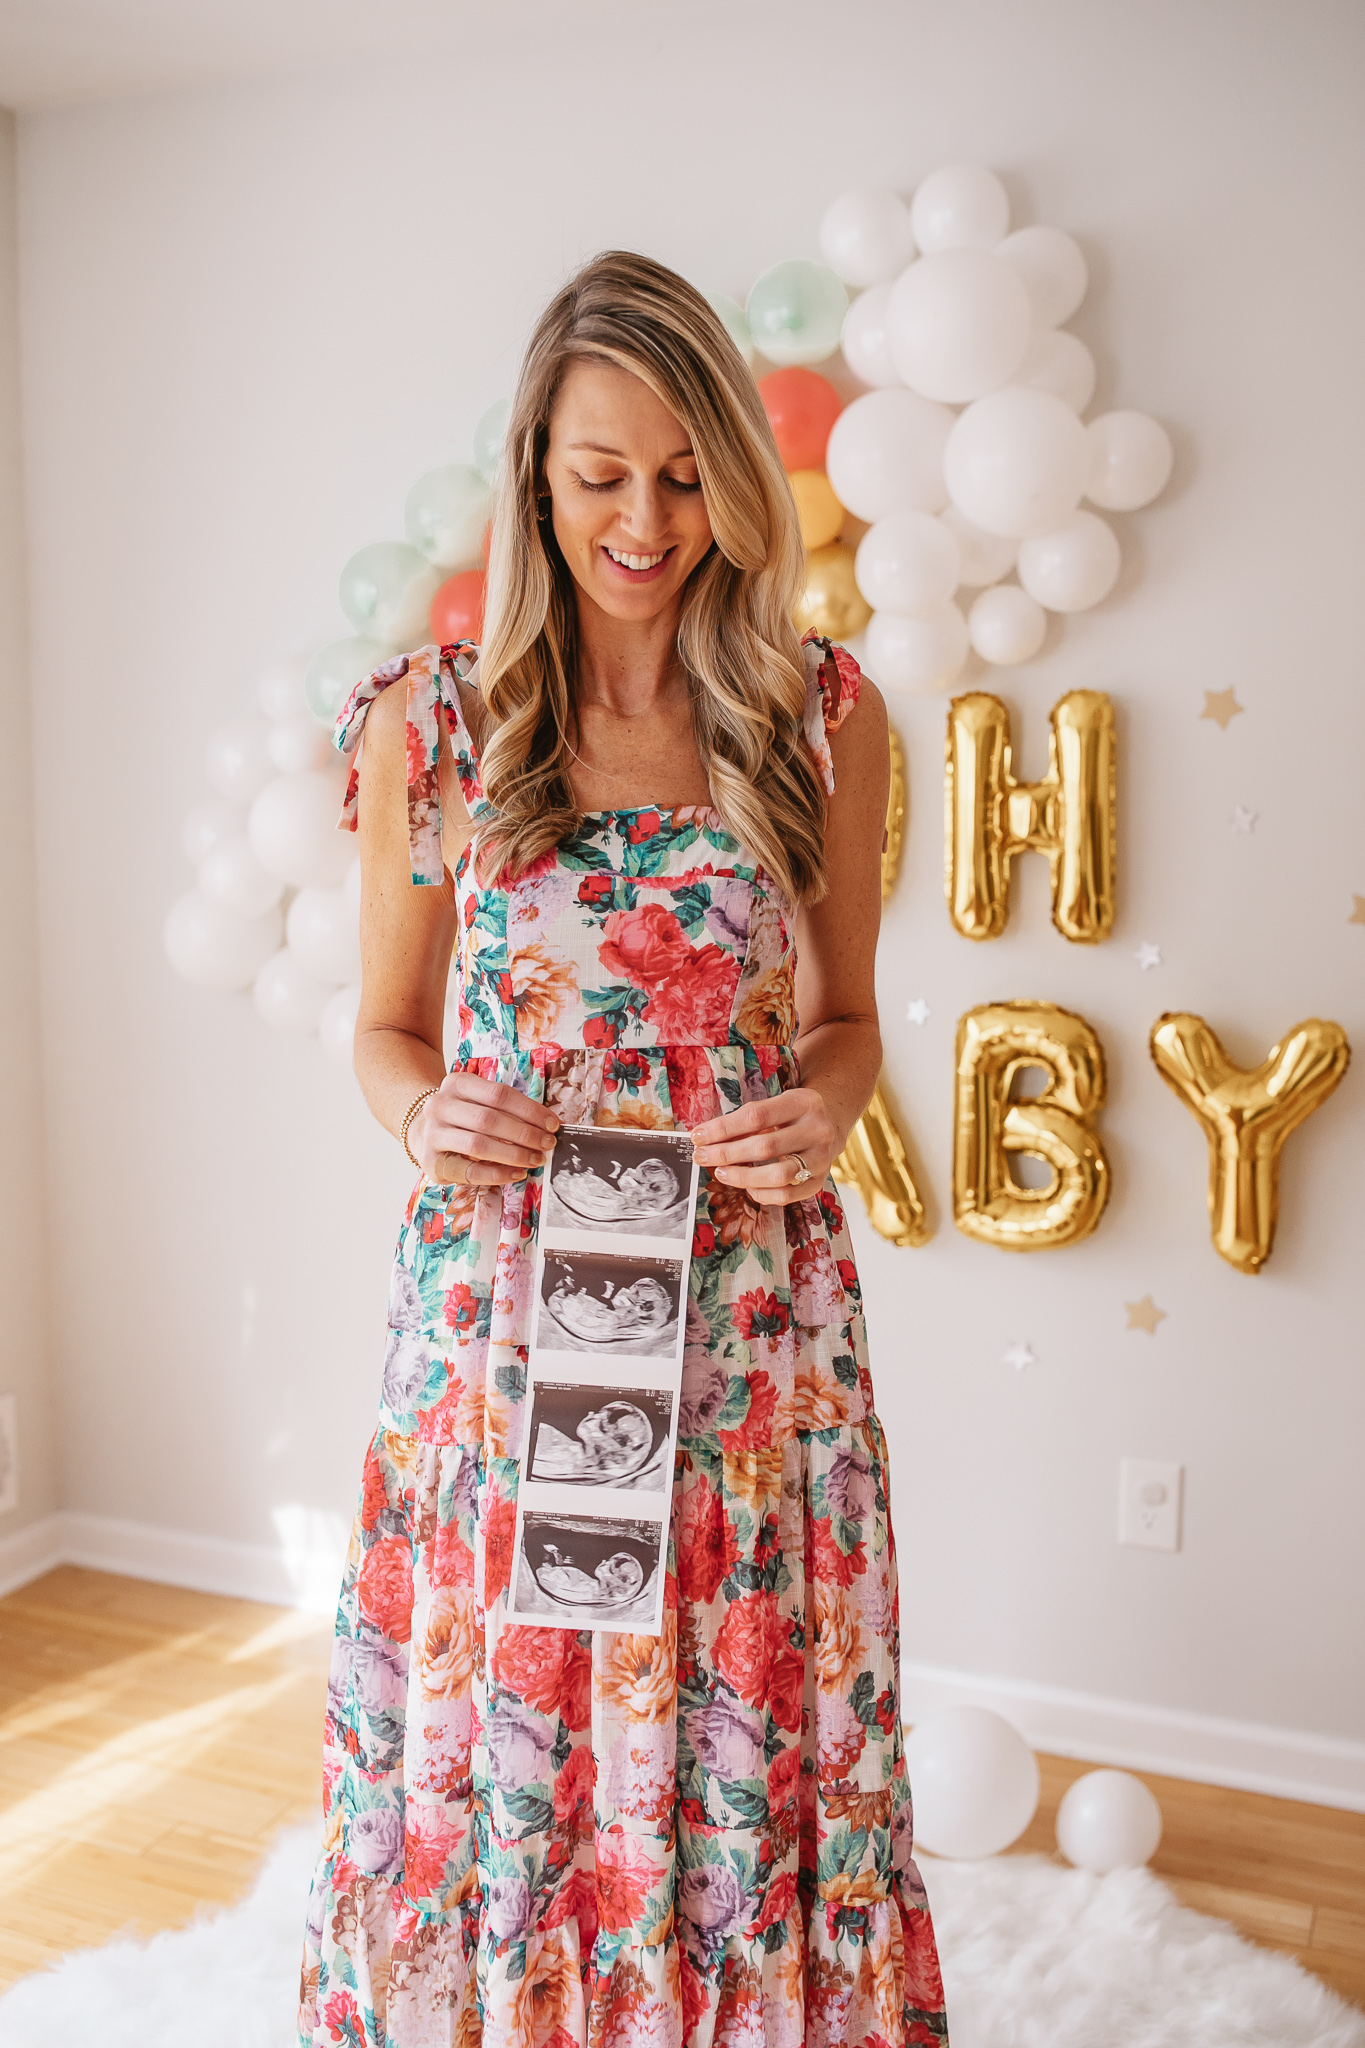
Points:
(826, 1561)
(747, 1644)
(693, 1006)
(644, 946)
(500, 1522)
(759, 1314)
(923, 1983)
(647, 826)
(574, 1784)
(502, 984)
(603, 1031)
(785, 1690)
(691, 1084)
(429, 1841)
(783, 1773)
(433, 1226)
(417, 755)
(831, 1211)
(595, 889)
(779, 1902)
(529, 1663)
(375, 1496)
(703, 1241)
(755, 1432)
(848, 1274)
(576, 1899)
(452, 1560)
(625, 1877)
(575, 1694)
(384, 1589)
(701, 1543)
(461, 1308)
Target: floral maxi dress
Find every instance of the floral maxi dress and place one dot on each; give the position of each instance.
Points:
(543, 1838)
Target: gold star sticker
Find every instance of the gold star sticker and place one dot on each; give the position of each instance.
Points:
(1222, 707)
(1358, 914)
(1144, 1315)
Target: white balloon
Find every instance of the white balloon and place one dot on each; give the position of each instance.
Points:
(907, 562)
(865, 237)
(209, 824)
(1108, 1820)
(1017, 461)
(1052, 269)
(336, 1026)
(231, 874)
(963, 206)
(299, 742)
(1073, 568)
(1006, 625)
(286, 998)
(1056, 361)
(885, 454)
(237, 762)
(279, 688)
(922, 653)
(975, 1779)
(321, 934)
(983, 557)
(865, 341)
(446, 513)
(293, 829)
(959, 324)
(209, 945)
(1130, 460)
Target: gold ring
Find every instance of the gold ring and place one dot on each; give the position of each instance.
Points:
(802, 1171)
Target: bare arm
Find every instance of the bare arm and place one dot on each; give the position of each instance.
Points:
(839, 1043)
(406, 938)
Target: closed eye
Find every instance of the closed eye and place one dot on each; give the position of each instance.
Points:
(674, 483)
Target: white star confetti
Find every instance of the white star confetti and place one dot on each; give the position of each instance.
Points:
(1243, 820)
(1020, 1356)
(1147, 956)
(917, 1012)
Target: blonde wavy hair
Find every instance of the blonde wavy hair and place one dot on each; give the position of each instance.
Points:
(736, 639)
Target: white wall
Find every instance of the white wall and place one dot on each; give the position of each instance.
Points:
(23, 1325)
(252, 316)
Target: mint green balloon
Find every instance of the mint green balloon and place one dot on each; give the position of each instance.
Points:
(445, 515)
(796, 313)
(489, 436)
(736, 325)
(334, 672)
(386, 591)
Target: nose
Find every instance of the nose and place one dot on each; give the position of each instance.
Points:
(643, 510)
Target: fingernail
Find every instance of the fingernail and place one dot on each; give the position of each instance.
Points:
(724, 1173)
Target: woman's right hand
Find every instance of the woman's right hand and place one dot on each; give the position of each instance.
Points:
(481, 1133)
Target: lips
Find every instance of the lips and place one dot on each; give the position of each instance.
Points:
(637, 568)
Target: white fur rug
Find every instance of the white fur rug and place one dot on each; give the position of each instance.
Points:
(1034, 1956)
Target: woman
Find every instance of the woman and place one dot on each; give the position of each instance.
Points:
(628, 812)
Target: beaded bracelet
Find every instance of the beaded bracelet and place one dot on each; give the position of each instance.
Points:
(413, 1110)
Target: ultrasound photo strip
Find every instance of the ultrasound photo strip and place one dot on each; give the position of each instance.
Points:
(607, 1304)
(589, 1572)
(608, 1184)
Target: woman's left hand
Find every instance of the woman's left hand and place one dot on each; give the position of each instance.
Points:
(760, 1148)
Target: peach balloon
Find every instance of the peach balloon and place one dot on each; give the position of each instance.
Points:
(457, 608)
(801, 407)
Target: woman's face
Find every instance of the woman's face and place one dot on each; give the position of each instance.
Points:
(628, 509)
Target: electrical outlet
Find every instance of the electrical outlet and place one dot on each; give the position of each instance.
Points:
(9, 1452)
(1149, 1504)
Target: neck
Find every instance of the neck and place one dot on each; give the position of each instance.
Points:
(628, 666)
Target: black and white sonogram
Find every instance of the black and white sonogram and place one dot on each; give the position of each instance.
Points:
(594, 1436)
(608, 1179)
(583, 1572)
(609, 1304)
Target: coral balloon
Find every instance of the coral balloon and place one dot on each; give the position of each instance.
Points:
(1052, 270)
(801, 408)
(1074, 568)
(866, 340)
(921, 653)
(1247, 1115)
(908, 563)
(1108, 1820)
(795, 312)
(959, 324)
(982, 557)
(1006, 625)
(213, 947)
(457, 608)
(963, 206)
(819, 511)
(976, 1782)
(1130, 460)
(386, 590)
(885, 454)
(831, 603)
(866, 237)
(1055, 361)
(1016, 462)
(1056, 1126)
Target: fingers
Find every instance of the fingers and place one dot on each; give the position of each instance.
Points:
(794, 1122)
(496, 1095)
(752, 1118)
(451, 1167)
(486, 1133)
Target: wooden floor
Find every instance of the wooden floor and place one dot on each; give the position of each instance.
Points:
(152, 1741)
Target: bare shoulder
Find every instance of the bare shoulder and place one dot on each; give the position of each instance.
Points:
(386, 724)
(862, 742)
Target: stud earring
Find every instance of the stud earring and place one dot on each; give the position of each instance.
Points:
(543, 505)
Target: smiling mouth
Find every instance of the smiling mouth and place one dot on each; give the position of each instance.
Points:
(639, 568)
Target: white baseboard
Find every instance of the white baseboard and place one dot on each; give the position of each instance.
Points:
(305, 1574)
(1288, 1763)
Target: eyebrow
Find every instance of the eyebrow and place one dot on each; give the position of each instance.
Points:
(596, 448)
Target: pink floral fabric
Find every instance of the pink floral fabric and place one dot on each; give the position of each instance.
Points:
(539, 1837)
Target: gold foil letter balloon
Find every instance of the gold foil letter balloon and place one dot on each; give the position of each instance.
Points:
(1070, 815)
(993, 1042)
(1247, 1116)
(874, 1161)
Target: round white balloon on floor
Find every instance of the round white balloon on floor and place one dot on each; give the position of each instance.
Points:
(286, 997)
(1108, 1820)
(212, 947)
(885, 454)
(975, 1782)
(293, 829)
(920, 653)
